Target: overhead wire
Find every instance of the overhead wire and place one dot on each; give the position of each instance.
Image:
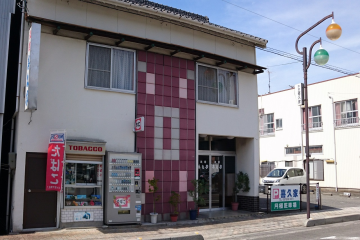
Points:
(324, 40)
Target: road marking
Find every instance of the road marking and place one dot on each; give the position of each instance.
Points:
(332, 237)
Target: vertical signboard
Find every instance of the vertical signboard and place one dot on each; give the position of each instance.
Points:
(55, 161)
(32, 67)
(285, 197)
(299, 93)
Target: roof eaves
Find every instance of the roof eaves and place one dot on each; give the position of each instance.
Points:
(183, 16)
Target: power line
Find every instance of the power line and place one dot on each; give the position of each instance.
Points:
(282, 64)
(324, 40)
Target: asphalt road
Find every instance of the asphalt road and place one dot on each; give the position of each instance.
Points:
(347, 230)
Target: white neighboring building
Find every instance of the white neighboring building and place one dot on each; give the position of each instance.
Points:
(334, 131)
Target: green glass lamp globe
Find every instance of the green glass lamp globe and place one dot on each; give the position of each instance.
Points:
(321, 56)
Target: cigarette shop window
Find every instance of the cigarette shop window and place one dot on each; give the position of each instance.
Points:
(83, 184)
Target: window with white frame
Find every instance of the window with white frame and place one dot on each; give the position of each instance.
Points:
(110, 68)
(317, 149)
(279, 123)
(267, 124)
(346, 113)
(292, 150)
(217, 85)
(314, 115)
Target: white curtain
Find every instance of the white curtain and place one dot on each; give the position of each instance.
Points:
(207, 84)
(123, 69)
(99, 66)
(227, 87)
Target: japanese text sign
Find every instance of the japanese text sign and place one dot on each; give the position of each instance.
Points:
(285, 197)
(299, 93)
(55, 161)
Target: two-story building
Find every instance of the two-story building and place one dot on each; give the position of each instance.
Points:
(97, 66)
(334, 131)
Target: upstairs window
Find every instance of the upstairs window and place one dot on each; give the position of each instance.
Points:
(216, 85)
(315, 121)
(110, 68)
(267, 124)
(346, 113)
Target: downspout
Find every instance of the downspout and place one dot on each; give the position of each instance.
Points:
(335, 162)
(8, 214)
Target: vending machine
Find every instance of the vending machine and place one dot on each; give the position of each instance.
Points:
(122, 188)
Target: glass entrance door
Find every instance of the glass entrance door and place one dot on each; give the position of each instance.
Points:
(218, 173)
(203, 175)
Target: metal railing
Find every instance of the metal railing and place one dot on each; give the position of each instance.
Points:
(313, 126)
(267, 131)
(345, 122)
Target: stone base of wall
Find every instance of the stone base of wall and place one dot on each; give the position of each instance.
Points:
(81, 224)
(67, 217)
(248, 203)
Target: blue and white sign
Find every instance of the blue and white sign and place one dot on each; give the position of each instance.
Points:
(285, 197)
(32, 67)
(83, 216)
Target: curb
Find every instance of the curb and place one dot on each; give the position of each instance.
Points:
(330, 220)
(187, 237)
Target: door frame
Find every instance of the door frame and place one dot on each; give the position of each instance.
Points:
(210, 154)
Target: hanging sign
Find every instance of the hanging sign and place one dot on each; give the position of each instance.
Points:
(32, 67)
(139, 124)
(55, 161)
(299, 93)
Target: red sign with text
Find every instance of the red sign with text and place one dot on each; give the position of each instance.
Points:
(55, 162)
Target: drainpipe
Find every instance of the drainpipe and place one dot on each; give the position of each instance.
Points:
(8, 214)
(335, 162)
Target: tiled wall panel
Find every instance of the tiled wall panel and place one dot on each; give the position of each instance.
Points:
(166, 98)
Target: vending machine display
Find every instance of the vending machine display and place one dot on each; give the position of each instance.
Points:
(123, 188)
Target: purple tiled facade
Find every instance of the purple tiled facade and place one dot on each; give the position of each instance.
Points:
(166, 98)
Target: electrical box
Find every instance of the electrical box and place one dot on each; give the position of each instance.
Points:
(12, 160)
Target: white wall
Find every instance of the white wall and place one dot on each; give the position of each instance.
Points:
(94, 16)
(64, 103)
(283, 105)
(241, 122)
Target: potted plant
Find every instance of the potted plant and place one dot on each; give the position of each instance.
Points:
(153, 188)
(174, 202)
(200, 188)
(241, 184)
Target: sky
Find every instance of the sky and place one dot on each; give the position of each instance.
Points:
(296, 14)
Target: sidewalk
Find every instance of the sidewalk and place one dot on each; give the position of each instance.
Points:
(211, 228)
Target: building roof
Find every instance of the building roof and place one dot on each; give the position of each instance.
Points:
(180, 15)
(309, 84)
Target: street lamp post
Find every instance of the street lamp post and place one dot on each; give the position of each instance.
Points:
(333, 32)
